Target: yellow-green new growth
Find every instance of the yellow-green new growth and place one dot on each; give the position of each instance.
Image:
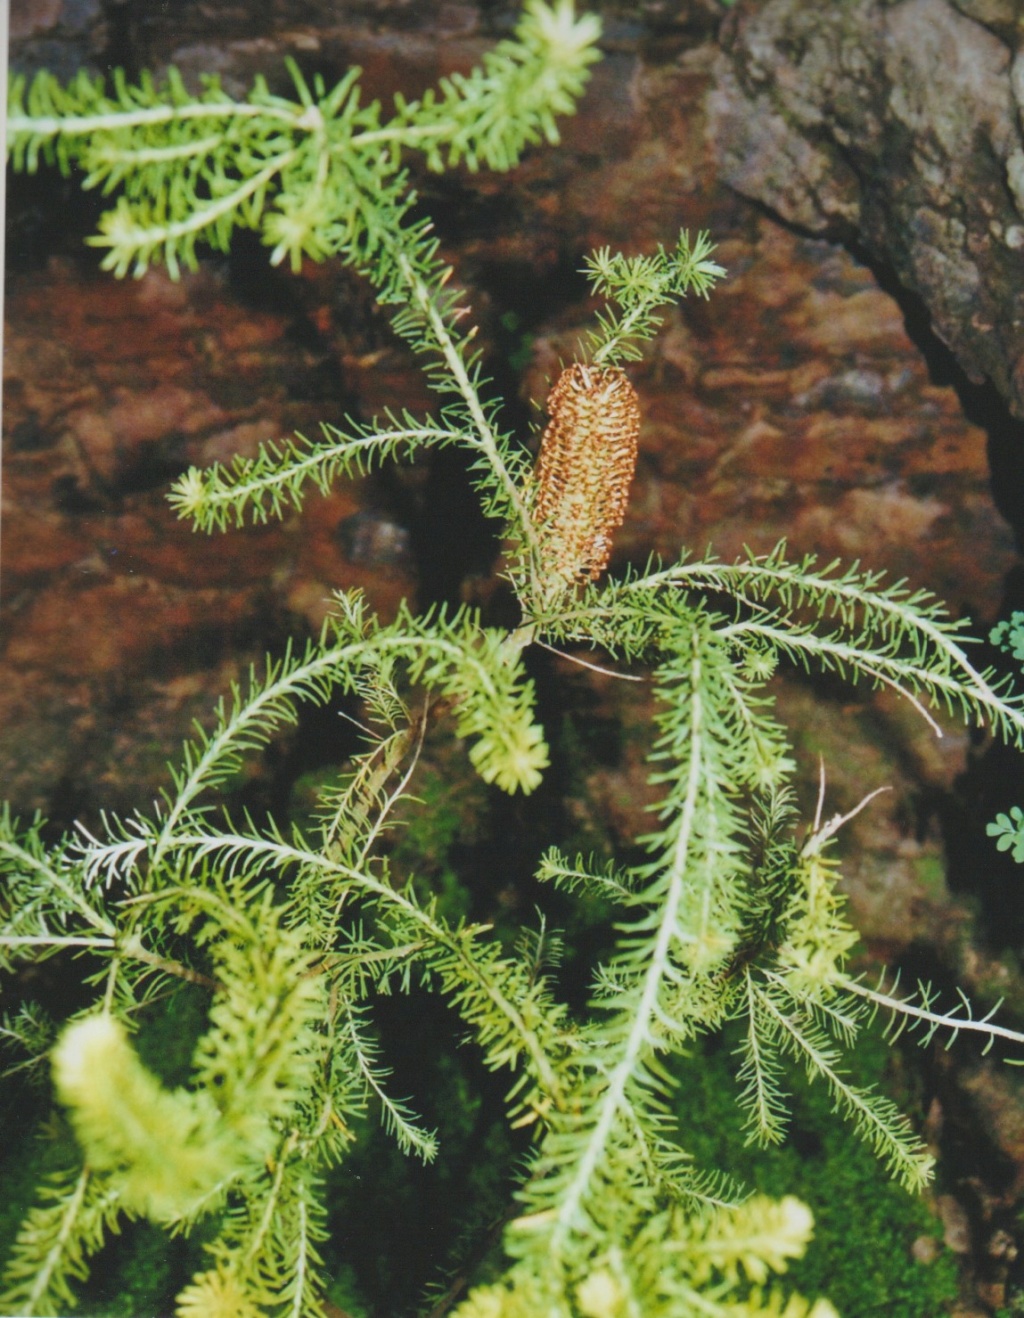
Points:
(169, 1150)
(318, 176)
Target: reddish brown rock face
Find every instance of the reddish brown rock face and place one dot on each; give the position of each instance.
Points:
(121, 624)
(810, 415)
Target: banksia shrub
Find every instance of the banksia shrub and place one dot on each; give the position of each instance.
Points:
(584, 469)
(732, 913)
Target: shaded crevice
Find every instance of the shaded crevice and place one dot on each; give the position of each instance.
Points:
(982, 403)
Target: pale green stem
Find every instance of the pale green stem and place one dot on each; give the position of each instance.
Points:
(392, 799)
(117, 120)
(50, 1263)
(638, 1039)
(303, 1257)
(624, 330)
(407, 135)
(26, 941)
(111, 985)
(204, 216)
(767, 1122)
(487, 443)
(953, 1023)
(265, 1223)
(156, 155)
(385, 954)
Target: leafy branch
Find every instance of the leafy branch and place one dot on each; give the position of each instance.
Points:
(292, 933)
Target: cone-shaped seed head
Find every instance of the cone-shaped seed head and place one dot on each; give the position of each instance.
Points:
(586, 462)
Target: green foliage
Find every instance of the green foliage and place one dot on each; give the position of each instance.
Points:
(1009, 635)
(318, 176)
(864, 1226)
(1008, 831)
(639, 286)
(1008, 828)
(730, 916)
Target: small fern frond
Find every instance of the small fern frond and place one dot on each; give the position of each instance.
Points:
(1008, 831)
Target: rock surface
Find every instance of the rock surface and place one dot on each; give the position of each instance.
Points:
(897, 126)
(120, 624)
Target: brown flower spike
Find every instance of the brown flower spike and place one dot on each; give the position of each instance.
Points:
(584, 468)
